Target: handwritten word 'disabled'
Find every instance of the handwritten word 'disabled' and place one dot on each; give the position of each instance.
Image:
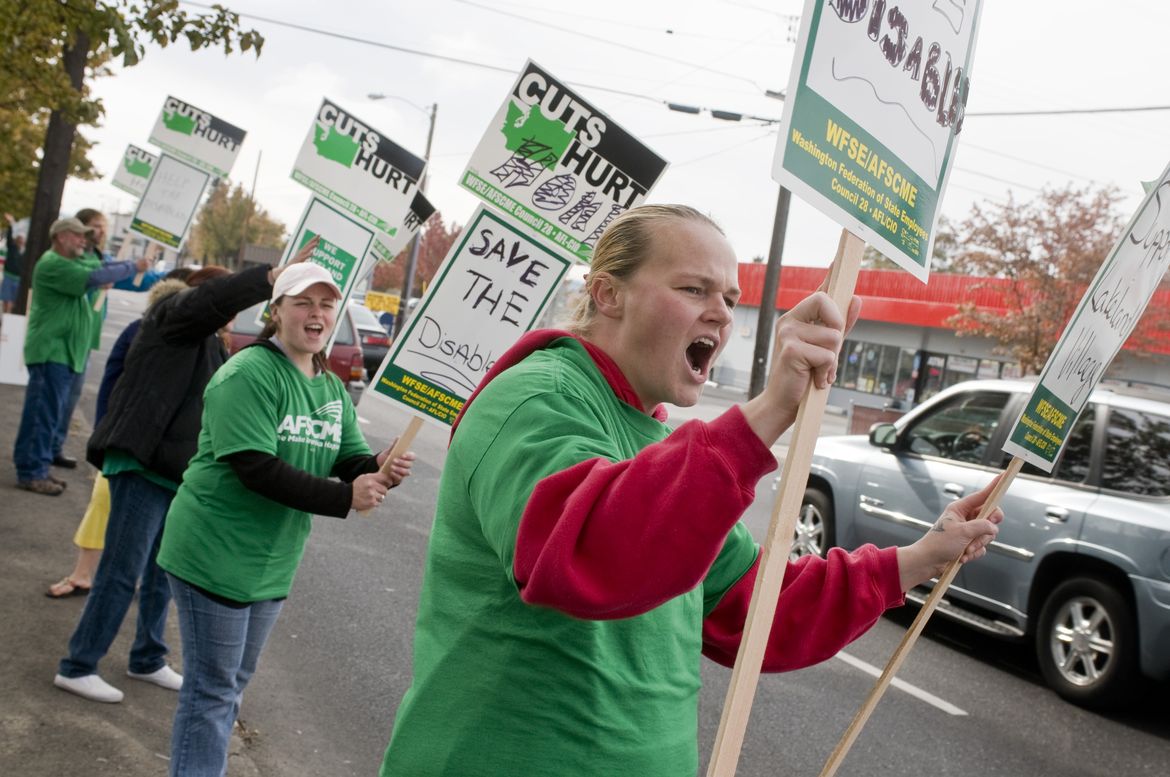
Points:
(464, 355)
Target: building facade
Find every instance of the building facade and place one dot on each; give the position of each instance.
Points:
(902, 351)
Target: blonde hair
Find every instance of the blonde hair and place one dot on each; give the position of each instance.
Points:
(623, 248)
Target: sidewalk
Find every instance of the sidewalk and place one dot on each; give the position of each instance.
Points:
(44, 731)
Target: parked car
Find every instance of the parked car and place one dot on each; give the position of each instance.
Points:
(345, 358)
(1081, 565)
(372, 337)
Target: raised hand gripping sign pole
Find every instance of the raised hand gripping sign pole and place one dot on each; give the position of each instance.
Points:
(1103, 321)
(874, 107)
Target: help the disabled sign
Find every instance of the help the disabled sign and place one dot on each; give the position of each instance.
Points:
(489, 290)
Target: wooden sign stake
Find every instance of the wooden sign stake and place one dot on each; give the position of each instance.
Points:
(774, 558)
(911, 636)
(400, 447)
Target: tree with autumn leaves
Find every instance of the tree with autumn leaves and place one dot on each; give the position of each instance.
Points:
(49, 52)
(1049, 249)
(228, 220)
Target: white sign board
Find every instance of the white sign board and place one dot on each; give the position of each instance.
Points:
(360, 170)
(559, 166)
(489, 290)
(197, 137)
(134, 170)
(169, 203)
(872, 114)
(12, 334)
(1102, 322)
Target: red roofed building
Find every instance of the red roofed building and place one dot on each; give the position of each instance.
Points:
(902, 349)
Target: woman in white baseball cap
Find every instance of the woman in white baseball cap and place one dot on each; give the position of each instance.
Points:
(280, 443)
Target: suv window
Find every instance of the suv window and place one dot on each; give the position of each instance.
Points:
(1137, 453)
(960, 429)
(344, 330)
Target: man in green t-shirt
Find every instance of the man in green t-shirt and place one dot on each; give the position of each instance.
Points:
(60, 328)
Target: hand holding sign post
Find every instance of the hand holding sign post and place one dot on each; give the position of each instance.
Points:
(875, 104)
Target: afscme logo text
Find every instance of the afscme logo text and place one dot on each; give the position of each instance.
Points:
(306, 426)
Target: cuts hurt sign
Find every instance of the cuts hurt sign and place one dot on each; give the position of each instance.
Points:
(358, 169)
(489, 290)
(134, 170)
(554, 163)
(197, 137)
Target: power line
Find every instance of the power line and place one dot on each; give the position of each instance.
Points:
(608, 42)
(1068, 111)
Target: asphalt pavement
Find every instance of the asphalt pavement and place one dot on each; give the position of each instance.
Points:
(44, 731)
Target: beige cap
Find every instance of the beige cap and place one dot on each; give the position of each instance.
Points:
(68, 225)
(295, 278)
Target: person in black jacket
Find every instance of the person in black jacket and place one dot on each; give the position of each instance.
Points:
(142, 445)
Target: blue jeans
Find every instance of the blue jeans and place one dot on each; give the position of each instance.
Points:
(221, 646)
(45, 399)
(137, 510)
(62, 430)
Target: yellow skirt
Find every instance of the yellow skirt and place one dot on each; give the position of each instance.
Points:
(91, 532)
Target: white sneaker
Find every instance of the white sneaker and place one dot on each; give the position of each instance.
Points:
(90, 687)
(164, 677)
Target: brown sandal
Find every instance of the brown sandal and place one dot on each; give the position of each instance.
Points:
(65, 588)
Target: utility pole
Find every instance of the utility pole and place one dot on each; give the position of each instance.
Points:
(768, 296)
(412, 260)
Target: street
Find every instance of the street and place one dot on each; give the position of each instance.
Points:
(338, 662)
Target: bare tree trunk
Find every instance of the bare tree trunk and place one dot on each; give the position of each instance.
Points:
(54, 168)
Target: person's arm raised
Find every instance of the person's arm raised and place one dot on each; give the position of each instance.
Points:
(805, 345)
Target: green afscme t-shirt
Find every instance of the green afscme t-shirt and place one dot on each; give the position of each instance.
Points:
(224, 537)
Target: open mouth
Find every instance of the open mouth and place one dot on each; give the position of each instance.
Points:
(699, 356)
(314, 330)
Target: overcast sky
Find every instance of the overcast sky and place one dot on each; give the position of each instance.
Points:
(716, 54)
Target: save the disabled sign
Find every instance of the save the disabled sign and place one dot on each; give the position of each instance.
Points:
(347, 162)
(556, 164)
(873, 112)
(489, 290)
(1102, 322)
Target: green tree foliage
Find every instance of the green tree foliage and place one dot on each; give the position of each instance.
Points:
(437, 238)
(1049, 248)
(49, 52)
(228, 220)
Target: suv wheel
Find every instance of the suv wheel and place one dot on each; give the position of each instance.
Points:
(814, 525)
(1086, 643)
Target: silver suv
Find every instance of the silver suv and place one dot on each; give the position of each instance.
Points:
(1081, 565)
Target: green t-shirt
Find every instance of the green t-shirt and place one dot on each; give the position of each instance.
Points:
(220, 535)
(60, 320)
(503, 687)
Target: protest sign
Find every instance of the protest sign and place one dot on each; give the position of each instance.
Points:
(489, 290)
(197, 137)
(554, 163)
(343, 244)
(134, 170)
(386, 247)
(169, 202)
(358, 169)
(1104, 319)
(875, 102)
(873, 108)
